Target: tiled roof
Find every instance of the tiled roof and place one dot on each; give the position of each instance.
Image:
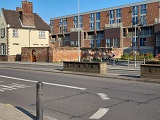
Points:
(13, 19)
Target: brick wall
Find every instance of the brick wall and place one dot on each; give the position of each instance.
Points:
(49, 54)
(70, 23)
(56, 26)
(127, 16)
(86, 22)
(104, 18)
(152, 12)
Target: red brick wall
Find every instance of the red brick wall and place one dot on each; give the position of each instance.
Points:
(51, 54)
(152, 12)
(127, 16)
(86, 22)
(70, 23)
(56, 26)
(104, 17)
(127, 42)
(150, 41)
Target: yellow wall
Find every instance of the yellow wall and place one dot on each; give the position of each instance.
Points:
(26, 38)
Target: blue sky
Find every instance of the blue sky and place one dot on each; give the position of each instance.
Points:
(54, 8)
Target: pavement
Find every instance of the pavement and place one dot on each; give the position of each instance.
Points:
(9, 112)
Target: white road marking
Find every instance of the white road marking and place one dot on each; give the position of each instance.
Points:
(59, 85)
(103, 96)
(100, 113)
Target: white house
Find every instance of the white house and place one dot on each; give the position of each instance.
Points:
(21, 28)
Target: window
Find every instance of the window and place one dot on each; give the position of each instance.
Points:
(135, 15)
(15, 32)
(111, 13)
(143, 9)
(60, 29)
(2, 32)
(135, 20)
(98, 16)
(134, 10)
(108, 42)
(97, 25)
(60, 22)
(92, 17)
(80, 21)
(75, 19)
(146, 31)
(116, 43)
(91, 43)
(118, 13)
(41, 34)
(52, 22)
(111, 21)
(142, 41)
(143, 20)
(80, 18)
(65, 21)
(65, 28)
(98, 43)
(3, 49)
(158, 41)
(92, 26)
(118, 20)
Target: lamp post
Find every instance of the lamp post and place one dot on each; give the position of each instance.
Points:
(135, 45)
(78, 35)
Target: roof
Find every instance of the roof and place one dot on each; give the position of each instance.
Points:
(12, 18)
(107, 9)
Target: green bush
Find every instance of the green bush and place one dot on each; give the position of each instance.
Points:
(147, 56)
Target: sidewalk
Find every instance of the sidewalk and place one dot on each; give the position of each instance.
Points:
(9, 112)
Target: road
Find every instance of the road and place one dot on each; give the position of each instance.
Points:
(78, 97)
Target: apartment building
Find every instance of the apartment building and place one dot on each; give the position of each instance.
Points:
(133, 27)
(21, 28)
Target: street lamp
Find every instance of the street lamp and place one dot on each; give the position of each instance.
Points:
(78, 35)
(135, 45)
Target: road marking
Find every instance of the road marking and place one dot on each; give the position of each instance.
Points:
(103, 96)
(12, 86)
(54, 84)
(100, 113)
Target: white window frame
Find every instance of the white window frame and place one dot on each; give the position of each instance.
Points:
(3, 49)
(15, 32)
(41, 34)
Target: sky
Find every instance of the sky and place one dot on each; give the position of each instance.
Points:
(48, 9)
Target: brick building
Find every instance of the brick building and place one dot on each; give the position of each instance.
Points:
(115, 27)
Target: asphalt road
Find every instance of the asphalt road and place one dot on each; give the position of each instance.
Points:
(78, 97)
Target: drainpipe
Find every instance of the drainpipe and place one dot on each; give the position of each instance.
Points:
(29, 37)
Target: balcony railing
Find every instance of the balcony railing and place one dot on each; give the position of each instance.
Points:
(115, 25)
(75, 29)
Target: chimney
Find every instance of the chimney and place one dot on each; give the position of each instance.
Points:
(18, 9)
(27, 7)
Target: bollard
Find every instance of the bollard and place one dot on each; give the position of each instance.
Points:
(39, 100)
(144, 61)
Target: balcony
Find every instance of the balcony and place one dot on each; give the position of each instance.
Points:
(115, 25)
(75, 29)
